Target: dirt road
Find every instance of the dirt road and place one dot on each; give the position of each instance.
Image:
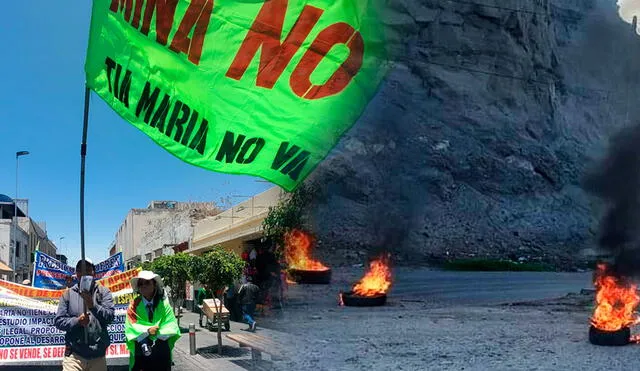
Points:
(452, 321)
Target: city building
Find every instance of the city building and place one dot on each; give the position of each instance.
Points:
(236, 228)
(7, 251)
(17, 264)
(146, 234)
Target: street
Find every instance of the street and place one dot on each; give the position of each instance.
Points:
(446, 287)
(440, 319)
(436, 320)
(475, 288)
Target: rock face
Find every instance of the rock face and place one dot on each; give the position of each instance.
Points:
(477, 141)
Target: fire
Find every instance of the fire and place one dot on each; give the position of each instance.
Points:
(616, 299)
(377, 280)
(297, 250)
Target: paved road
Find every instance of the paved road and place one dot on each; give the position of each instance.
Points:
(485, 287)
(439, 287)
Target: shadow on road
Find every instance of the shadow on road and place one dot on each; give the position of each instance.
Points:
(211, 352)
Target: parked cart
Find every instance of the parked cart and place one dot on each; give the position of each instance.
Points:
(209, 314)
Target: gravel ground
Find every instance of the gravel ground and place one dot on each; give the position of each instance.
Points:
(430, 335)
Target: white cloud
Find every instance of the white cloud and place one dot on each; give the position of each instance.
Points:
(628, 8)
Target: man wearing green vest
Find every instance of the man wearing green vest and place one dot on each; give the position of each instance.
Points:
(202, 294)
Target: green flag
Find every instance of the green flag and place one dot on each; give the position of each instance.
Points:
(264, 88)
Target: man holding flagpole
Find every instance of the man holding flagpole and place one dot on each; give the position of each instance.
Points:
(84, 312)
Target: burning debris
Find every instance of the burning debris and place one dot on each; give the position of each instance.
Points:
(302, 267)
(372, 289)
(616, 302)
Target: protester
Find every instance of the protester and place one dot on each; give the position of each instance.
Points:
(201, 295)
(248, 297)
(231, 301)
(253, 255)
(68, 281)
(282, 262)
(151, 327)
(84, 312)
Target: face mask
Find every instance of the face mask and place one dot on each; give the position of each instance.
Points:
(85, 283)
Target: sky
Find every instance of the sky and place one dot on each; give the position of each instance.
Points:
(42, 99)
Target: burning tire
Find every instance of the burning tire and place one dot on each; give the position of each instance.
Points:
(321, 277)
(614, 338)
(352, 300)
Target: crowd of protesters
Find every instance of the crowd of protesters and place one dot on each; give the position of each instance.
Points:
(151, 329)
(86, 309)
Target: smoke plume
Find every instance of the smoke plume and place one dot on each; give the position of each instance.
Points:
(616, 180)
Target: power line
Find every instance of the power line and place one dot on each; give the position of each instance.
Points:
(503, 8)
(573, 88)
(496, 7)
(521, 78)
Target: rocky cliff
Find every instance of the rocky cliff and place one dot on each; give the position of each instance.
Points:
(478, 139)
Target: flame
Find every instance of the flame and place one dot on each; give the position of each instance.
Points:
(340, 300)
(617, 300)
(297, 250)
(377, 280)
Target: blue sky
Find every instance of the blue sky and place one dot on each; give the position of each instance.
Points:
(42, 104)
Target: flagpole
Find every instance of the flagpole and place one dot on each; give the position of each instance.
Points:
(83, 154)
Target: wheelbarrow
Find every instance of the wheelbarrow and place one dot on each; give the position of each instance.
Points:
(209, 314)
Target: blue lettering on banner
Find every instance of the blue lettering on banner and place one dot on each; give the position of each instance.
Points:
(51, 273)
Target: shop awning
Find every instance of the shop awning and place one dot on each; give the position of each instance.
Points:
(5, 269)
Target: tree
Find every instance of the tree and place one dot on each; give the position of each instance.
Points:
(146, 266)
(288, 215)
(215, 270)
(175, 271)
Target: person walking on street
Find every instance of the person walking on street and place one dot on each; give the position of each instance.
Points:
(151, 328)
(248, 297)
(201, 295)
(84, 312)
(231, 301)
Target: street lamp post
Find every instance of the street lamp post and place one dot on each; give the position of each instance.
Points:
(15, 213)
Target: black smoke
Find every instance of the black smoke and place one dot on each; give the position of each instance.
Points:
(616, 181)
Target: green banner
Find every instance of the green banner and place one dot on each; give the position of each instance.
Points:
(257, 87)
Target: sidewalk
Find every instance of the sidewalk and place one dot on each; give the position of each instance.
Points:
(234, 358)
(207, 347)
